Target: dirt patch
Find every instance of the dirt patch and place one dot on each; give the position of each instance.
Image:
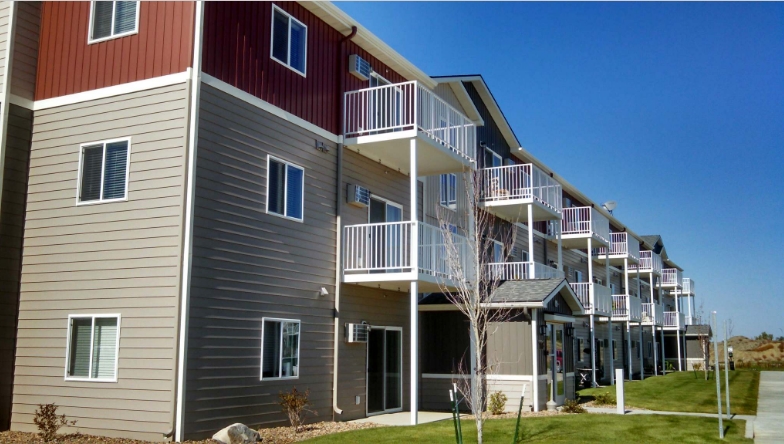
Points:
(76, 438)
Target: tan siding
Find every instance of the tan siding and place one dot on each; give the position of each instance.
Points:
(509, 347)
(5, 13)
(248, 265)
(27, 28)
(376, 307)
(120, 257)
(11, 227)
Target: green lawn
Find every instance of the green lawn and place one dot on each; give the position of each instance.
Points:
(683, 392)
(584, 428)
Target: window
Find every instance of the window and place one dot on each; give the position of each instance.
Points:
(289, 40)
(578, 349)
(498, 252)
(650, 349)
(615, 349)
(103, 171)
(113, 19)
(612, 289)
(279, 349)
(492, 159)
(448, 190)
(578, 276)
(93, 343)
(285, 189)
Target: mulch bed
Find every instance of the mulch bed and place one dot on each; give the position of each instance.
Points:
(278, 435)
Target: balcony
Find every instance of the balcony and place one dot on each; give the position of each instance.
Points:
(688, 287)
(626, 308)
(596, 299)
(652, 314)
(674, 320)
(520, 271)
(581, 223)
(671, 278)
(507, 191)
(622, 247)
(379, 255)
(650, 262)
(380, 121)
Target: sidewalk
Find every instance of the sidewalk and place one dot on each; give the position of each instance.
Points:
(769, 425)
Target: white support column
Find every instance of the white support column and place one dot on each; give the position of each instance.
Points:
(590, 268)
(531, 270)
(535, 348)
(626, 275)
(650, 279)
(655, 351)
(610, 348)
(664, 353)
(414, 252)
(678, 330)
(560, 248)
(642, 359)
(593, 353)
(629, 345)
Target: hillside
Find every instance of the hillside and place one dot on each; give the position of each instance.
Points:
(751, 352)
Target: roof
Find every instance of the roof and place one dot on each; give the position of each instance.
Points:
(699, 330)
(536, 293)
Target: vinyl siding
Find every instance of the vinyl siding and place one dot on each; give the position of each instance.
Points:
(28, 24)
(5, 13)
(509, 347)
(120, 257)
(376, 307)
(248, 265)
(381, 181)
(11, 231)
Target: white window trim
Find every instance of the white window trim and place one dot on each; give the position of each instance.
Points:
(448, 206)
(280, 358)
(288, 52)
(100, 199)
(92, 336)
(285, 189)
(495, 155)
(388, 202)
(135, 30)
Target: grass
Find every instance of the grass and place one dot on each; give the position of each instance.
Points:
(585, 428)
(685, 392)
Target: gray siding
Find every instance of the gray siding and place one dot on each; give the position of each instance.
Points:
(376, 307)
(248, 265)
(380, 180)
(23, 71)
(120, 257)
(12, 216)
(509, 346)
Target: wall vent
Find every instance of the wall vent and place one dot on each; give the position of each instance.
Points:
(359, 67)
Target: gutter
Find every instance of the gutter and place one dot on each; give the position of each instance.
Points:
(187, 248)
(338, 221)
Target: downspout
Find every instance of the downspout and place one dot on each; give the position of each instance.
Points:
(187, 247)
(338, 219)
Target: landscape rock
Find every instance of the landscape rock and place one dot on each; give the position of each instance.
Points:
(237, 434)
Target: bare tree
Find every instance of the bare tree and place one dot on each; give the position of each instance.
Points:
(730, 328)
(466, 260)
(705, 342)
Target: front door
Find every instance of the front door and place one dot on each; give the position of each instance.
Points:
(555, 363)
(385, 370)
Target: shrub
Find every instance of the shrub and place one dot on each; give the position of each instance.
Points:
(572, 406)
(604, 398)
(497, 403)
(48, 422)
(295, 405)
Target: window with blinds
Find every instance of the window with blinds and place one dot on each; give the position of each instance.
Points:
(104, 171)
(113, 19)
(92, 347)
(289, 40)
(285, 189)
(448, 190)
(279, 348)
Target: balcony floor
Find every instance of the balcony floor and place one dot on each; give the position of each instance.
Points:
(427, 283)
(580, 241)
(516, 210)
(615, 259)
(391, 149)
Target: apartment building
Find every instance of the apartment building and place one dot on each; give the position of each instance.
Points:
(205, 204)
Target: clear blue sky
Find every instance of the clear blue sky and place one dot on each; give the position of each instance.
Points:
(675, 110)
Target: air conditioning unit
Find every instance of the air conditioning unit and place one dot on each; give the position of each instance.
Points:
(596, 280)
(358, 196)
(359, 67)
(357, 333)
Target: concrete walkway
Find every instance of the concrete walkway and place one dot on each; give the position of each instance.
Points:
(769, 425)
(657, 412)
(404, 418)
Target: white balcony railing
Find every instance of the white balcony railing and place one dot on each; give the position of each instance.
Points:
(688, 286)
(520, 271)
(594, 297)
(408, 106)
(650, 262)
(621, 244)
(653, 313)
(585, 220)
(385, 247)
(671, 277)
(626, 307)
(521, 182)
(674, 319)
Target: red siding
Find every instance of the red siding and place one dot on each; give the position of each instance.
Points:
(68, 65)
(237, 51)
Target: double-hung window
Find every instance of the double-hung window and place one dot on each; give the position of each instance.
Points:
(279, 348)
(93, 344)
(103, 171)
(448, 190)
(285, 189)
(113, 19)
(289, 40)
